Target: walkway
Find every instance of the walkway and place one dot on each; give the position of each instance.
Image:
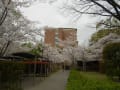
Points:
(56, 81)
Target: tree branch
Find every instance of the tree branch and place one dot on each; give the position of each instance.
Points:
(4, 14)
(107, 10)
(94, 13)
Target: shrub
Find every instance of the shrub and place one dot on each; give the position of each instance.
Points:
(10, 75)
(111, 56)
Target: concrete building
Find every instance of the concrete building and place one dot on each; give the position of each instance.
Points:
(61, 37)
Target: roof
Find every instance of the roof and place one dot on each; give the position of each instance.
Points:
(24, 55)
(28, 55)
(90, 60)
(11, 57)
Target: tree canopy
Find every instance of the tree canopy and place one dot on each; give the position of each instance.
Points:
(109, 8)
(102, 33)
(13, 25)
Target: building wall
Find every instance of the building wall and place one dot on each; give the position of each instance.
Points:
(49, 36)
(61, 34)
(53, 36)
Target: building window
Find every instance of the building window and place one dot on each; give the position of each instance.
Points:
(56, 37)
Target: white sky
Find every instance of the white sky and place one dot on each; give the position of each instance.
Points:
(50, 15)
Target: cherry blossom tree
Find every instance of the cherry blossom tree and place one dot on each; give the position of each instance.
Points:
(16, 27)
(53, 54)
(11, 7)
(90, 53)
(95, 50)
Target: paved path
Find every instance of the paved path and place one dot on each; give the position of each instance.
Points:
(56, 81)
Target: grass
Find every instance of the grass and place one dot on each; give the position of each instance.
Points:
(90, 81)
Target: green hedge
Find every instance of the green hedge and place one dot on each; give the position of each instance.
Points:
(111, 57)
(10, 75)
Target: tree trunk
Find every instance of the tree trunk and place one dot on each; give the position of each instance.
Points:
(4, 48)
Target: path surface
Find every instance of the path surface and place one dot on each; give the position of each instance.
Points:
(56, 81)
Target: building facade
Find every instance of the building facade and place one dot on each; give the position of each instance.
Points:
(60, 37)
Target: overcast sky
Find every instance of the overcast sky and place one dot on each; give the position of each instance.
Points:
(50, 15)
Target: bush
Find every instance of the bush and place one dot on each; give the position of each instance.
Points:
(111, 56)
(10, 75)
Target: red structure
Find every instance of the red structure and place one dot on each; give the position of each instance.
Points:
(34, 64)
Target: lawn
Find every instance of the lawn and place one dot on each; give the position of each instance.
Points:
(90, 81)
